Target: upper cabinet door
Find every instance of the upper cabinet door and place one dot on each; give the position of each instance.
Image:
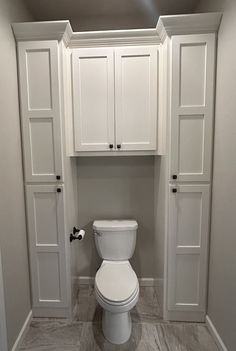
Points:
(192, 99)
(40, 110)
(136, 97)
(93, 98)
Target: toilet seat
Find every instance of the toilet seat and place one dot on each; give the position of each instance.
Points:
(116, 283)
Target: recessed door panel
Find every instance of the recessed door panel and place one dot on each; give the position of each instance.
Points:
(49, 276)
(191, 144)
(187, 280)
(136, 97)
(42, 153)
(189, 218)
(192, 74)
(45, 216)
(39, 79)
(93, 99)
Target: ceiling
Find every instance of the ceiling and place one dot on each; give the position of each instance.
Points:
(108, 14)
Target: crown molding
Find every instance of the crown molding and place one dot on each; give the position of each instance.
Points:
(115, 38)
(198, 23)
(48, 30)
(166, 26)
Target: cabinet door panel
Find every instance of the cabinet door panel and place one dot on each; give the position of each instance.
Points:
(93, 99)
(40, 110)
(187, 247)
(193, 60)
(46, 228)
(136, 97)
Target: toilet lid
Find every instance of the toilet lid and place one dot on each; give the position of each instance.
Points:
(116, 281)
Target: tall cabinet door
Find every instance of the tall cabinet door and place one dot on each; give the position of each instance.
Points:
(188, 247)
(40, 110)
(45, 214)
(136, 97)
(93, 99)
(193, 66)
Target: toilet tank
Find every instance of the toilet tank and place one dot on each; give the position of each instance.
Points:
(115, 239)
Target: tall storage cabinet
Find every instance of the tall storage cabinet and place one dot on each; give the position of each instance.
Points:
(40, 64)
(190, 106)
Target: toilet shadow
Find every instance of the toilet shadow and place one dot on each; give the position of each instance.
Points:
(105, 345)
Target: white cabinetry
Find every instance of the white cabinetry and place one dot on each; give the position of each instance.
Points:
(93, 97)
(41, 101)
(192, 106)
(45, 209)
(40, 110)
(115, 98)
(187, 246)
(190, 129)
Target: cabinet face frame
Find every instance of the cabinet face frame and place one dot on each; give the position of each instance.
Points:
(51, 250)
(192, 106)
(180, 247)
(40, 110)
(96, 55)
(130, 143)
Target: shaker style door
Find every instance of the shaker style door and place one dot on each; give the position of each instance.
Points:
(93, 99)
(136, 98)
(188, 247)
(40, 110)
(193, 66)
(46, 235)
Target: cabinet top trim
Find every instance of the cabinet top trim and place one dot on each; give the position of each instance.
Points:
(166, 26)
(198, 23)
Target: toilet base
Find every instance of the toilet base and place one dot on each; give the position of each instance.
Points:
(116, 326)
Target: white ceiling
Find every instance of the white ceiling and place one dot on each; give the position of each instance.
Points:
(108, 14)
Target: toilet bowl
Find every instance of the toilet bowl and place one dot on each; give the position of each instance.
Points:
(117, 292)
(116, 284)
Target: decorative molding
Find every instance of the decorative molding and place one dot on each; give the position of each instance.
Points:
(219, 342)
(142, 281)
(48, 30)
(198, 23)
(22, 333)
(115, 38)
(166, 26)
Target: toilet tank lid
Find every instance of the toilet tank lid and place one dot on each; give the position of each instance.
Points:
(115, 225)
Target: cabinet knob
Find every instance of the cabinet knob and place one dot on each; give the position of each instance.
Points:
(118, 146)
(174, 190)
(58, 177)
(111, 146)
(174, 176)
(58, 190)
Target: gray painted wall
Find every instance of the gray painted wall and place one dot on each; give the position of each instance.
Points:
(117, 187)
(12, 212)
(222, 274)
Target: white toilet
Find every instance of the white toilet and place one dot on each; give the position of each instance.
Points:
(116, 284)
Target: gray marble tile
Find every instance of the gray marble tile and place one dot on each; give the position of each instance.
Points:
(143, 338)
(148, 308)
(46, 334)
(185, 337)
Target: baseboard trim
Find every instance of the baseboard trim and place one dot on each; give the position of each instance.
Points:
(22, 333)
(214, 333)
(142, 281)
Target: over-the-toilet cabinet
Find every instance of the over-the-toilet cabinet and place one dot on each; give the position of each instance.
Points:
(115, 98)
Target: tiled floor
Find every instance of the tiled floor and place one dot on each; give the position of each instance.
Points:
(149, 331)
